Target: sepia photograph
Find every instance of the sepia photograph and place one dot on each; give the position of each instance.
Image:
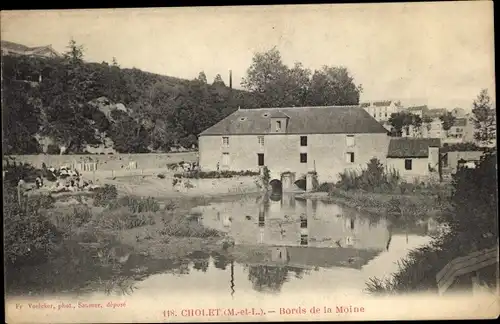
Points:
(328, 162)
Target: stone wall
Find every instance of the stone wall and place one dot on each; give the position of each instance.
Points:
(110, 162)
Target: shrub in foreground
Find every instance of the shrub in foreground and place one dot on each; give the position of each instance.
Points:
(29, 235)
(105, 195)
(184, 226)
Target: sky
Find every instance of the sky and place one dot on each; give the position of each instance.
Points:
(439, 54)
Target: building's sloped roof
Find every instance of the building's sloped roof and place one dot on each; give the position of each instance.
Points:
(404, 147)
(310, 257)
(416, 108)
(382, 103)
(436, 112)
(278, 114)
(25, 50)
(302, 120)
(460, 122)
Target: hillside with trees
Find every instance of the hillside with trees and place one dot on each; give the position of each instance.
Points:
(52, 99)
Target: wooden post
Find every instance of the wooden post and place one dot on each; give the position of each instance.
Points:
(19, 195)
(476, 283)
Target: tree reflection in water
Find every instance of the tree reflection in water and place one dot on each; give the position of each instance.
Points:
(220, 261)
(120, 286)
(200, 260)
(271, 278)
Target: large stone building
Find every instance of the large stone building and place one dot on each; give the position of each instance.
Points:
(296, 141)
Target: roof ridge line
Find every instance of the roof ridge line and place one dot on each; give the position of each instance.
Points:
(333, 106)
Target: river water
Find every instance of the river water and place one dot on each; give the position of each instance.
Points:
(301, 245)
(283, 244)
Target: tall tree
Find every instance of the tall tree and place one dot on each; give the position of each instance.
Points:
(402, 121)
(333, 86)
(218, 81)
(277, 85)
(416, 123)
(397, 121)
(427, 120)
(202, 77)
(66, 104)
(267, 77)
(447, 121)
(484, 119)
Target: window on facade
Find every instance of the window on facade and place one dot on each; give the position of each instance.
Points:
(350, 140)
(225, 141)
(303, 239)
(278, 125)
(303, 141)
(374, 115)
(260, 159)
(385, 114)
(261, 141)
(408, 164)
(225, 159)
(303, 157)
(349, 157)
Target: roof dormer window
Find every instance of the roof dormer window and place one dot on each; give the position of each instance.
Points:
(278, 125)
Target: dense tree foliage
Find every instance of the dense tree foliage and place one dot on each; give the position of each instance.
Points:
(474, 218)
(402, 121)
(447, 121)
(50, 97)
(484, 119)
(278, 85)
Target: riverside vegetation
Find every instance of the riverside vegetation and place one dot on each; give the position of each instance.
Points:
(468, 206)
(45, 231)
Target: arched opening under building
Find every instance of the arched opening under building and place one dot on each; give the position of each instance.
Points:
(276, 186)
(301, 183)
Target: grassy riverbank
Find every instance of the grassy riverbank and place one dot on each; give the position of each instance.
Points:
(98, 237)
(468, 206)
(414, 207)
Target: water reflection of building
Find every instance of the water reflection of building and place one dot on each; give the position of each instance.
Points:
(317, 224)
(296, 222)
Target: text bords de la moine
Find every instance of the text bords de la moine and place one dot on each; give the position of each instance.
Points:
(216, 312)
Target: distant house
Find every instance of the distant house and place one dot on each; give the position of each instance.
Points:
(461, 131)
(458, 112)
(414, 157)
(381, 110)
(418, 110)
(452, 160)
(436, 112)
(296, 140)
(458, 128)
(11, 48)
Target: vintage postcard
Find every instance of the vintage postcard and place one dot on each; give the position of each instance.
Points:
(250, 163)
